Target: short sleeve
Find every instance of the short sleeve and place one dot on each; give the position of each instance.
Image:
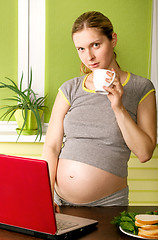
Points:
(66, 90)
(144, 88)
(70, 88)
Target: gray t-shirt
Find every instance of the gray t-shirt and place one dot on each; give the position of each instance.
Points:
(92, 134)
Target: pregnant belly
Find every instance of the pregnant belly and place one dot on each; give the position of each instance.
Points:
(78, 182)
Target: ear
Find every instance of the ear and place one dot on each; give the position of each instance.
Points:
(114, 39)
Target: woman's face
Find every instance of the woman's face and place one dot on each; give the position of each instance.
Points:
(95, 49)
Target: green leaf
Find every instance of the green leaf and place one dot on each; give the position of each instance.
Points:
(21, 82)
(127, 226)
(14, 84)
(10, 110)
(126, 219)
(132, 215)
(116, 220)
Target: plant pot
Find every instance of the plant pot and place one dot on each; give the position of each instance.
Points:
(30, 127)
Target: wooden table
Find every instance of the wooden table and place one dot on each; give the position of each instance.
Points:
(104, 230)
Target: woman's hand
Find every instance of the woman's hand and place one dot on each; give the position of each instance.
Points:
(57, 208)
(115, 91)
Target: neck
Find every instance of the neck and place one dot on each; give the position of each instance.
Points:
(122, 74)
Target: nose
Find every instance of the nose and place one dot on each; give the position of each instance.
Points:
(90, 55)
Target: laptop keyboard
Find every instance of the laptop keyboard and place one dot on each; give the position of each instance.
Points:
(62, 224)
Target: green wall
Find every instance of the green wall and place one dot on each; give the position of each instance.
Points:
(131, 20)
(8, 43)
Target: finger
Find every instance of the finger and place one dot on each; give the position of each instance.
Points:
(57, 208)
(108, 80)
(116, 80)
(117, 83)
(109, 89)
(110, 74)
(116, 74)
(114, 90)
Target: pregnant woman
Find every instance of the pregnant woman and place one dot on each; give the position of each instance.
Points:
(99, 131)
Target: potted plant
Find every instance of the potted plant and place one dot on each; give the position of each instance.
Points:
(27, 110)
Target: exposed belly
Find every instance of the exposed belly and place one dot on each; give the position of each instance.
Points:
(78, 182)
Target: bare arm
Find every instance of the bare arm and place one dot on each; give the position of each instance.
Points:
(54, 136)
(140, 137)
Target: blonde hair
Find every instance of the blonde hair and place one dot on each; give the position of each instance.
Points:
(96, 20)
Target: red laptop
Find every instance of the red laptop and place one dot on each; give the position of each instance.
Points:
(26, 204)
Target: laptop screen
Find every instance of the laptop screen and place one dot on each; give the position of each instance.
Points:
(26, 199)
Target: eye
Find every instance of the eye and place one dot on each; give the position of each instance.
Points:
(80, 49)
(96, 45)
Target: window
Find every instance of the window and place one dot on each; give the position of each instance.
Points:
(31, 42)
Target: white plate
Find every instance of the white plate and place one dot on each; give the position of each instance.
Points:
(132, 235)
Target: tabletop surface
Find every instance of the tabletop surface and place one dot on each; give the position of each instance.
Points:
(104, 229)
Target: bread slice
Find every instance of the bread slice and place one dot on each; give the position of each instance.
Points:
(146, 226)
(152, 234)
(147, 236)
(146, 219)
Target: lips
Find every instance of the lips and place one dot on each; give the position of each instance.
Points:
(94, 65)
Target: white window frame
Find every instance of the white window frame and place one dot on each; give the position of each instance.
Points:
(31, 43)
(154, 50)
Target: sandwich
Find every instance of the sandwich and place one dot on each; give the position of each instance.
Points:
(147, 225)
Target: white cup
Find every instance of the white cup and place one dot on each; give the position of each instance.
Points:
(99, 80)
